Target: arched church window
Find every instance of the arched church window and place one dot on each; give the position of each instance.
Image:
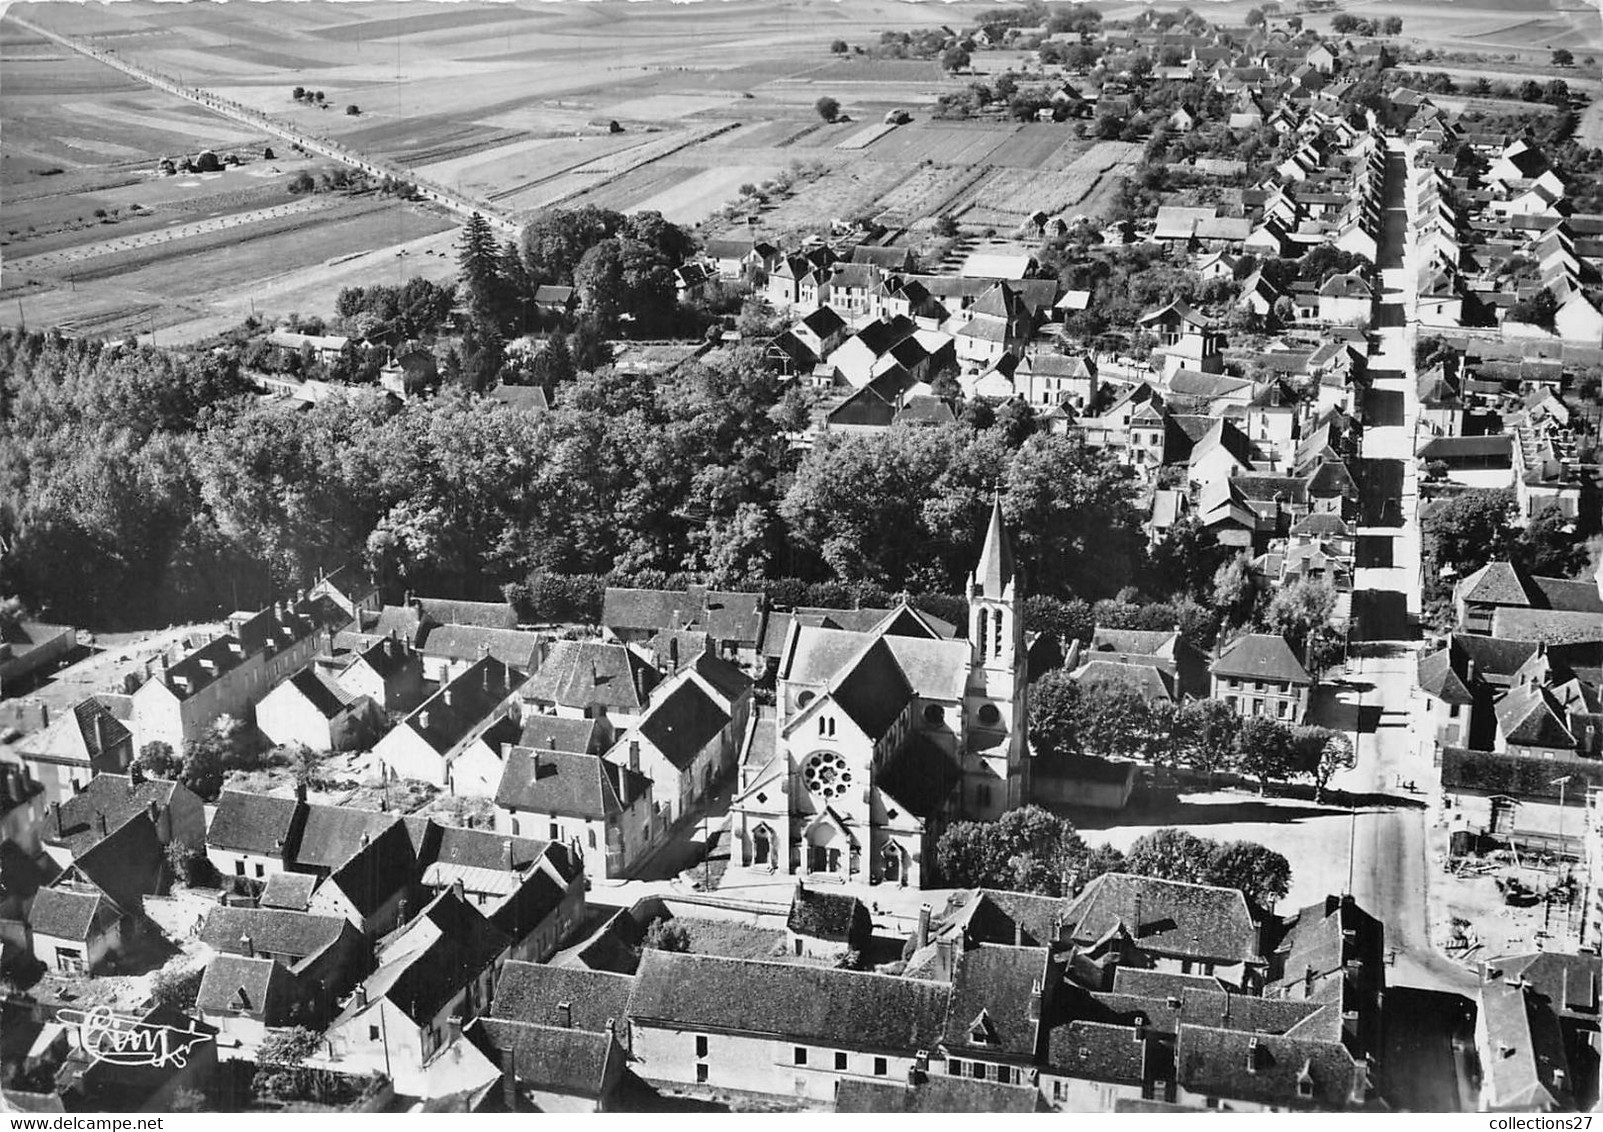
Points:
(985, 628)
(761, 846)
(989, 714)
(827, 774)
(996, 636)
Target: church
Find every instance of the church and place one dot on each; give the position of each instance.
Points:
(880, 737)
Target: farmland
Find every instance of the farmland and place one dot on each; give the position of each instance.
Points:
(511, 104)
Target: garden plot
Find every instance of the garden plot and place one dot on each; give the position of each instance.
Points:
(1035, 145)
(864, 138)
(950, 145)
(922, 192)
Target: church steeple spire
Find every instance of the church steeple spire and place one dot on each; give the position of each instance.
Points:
(994, 575)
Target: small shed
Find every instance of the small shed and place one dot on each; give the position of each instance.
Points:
(826, 925)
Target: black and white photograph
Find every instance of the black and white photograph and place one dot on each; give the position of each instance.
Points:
(800, 557)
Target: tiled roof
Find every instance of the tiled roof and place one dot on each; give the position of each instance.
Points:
(833, 916)
(1096, 1051)
(388, 656)
(485, 614)
(126, 864)
(289, 935)
(874, 690)
(1265, 1069)
(377, 871)
(936, 1093)
(550, 1058)
(289, 891)
(85, 733)
(682, 723)
(565, 784)
(512, 647)
(114, 797)
(788, 1002)
(1168, 917)
(534, 993)
(724, 615)
(332, 834)
(451, 715)
(235, 983)
(68, 913)
(995, 916)
(920, 776)
(434, 957)
(1527, 1048)
(1529, 717)
(1569, 984)
(557, 733)
(327, 698)
(991, 997)
(584, 674)
(1261, 656)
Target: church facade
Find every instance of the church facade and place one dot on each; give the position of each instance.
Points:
(880, 738)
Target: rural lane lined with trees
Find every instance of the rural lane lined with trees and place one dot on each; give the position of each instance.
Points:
(257, 120)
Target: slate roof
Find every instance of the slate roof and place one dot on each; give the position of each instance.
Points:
(550, 1058)
(937, 1093)
(485, 614)
(127, 864)
(1566, 983)
(725, 615)
(77, 735)
(920, 776)
(292, 936)
(583, 674)
(1260, 656)
(816, 1005)
(514, 648)
(1530, 717)
(326, 697)
(832, 916)
(1174, 918)
(989, 1010)
(682, 723)
(533, 993)
(874, 690)
(997, 916)
(566, 784)
(387, 865)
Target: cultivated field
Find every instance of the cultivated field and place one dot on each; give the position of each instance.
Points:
(508, 103)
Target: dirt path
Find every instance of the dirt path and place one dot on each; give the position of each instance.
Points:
(65, 257)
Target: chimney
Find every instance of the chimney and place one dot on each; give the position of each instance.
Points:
(640, 683)
(454, 1025)
(55, 816)
(1018, 935)
(136, 773)
(1037, 992)
(506, 856)
(673, 652)
(1308, 980)
(944, 951)
(248, 946)
(361, 994)
(534, 762)
(634, 755)
(565, 1015)
(300, 792)
(923, 937)
(100, 824)
(484, 649)
(365, 839)
(550, 742)
(447, 694)
(400, 911)
(423, 720)
(458, 891)
(1140, 1027)
(154, 811)
(509, 1078)
(100, 732)
(1471, 670)
(1252, 1054)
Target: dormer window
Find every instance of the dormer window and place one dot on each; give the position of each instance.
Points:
(981, 1031)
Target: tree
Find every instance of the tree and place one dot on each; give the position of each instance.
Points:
(839, 47)
(1004, 86)
(177, 989)
(1234, 593)
(954, 59)
(1470, 529)
(302, 182)
(353, 110)
(298, 93)
(190, 864)
(1551, 545)
(1344, 24)
(1563, 58)
(667, 935)
(1027, 849)
(1204, 735)
(828, 108)
(1301, 613)
(1055, 714)
(320, 97)
(1264, 750)
(157, 760)
(945, 226)
(1262, 875)
(1255, 17)
(1391, 25)
(1171, 854)
(1538, 310)
(1336, 753)
(203, 768)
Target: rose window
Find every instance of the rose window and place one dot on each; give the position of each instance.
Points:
(827, 774)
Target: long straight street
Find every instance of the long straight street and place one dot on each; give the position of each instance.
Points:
(1388, 844)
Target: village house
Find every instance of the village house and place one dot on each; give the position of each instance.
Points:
(597, 680)
(732, 621)
(389, 672)
(315, 711)
(94, 910)
(85, 741)
(109, 802)
(405, 1019)
(1258, 674)
(28, 648)
(603, 809)
(442, 742)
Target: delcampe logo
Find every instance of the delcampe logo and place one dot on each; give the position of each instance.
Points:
(117, 1040)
